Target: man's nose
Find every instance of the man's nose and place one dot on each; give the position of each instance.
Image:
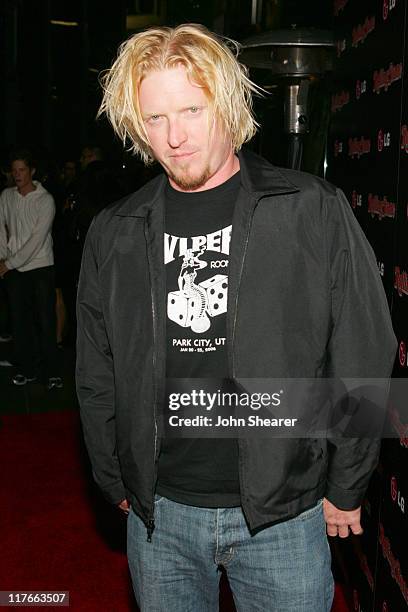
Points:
(177, 134)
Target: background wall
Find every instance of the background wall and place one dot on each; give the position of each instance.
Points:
(52, 52)
(368, 159)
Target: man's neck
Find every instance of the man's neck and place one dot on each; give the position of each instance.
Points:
(27, 189)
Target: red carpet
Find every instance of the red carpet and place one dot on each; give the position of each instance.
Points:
(55, 531)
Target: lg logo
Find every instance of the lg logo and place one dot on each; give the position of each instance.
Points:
(396, 494)
(388, 6)
(356, 199)
(357, 607)
(383, 140)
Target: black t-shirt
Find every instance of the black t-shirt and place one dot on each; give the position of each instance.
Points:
(200, 472)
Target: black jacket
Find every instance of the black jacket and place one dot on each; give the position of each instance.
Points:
(305, 300)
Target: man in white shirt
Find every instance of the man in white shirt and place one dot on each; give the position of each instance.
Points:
(27, 264)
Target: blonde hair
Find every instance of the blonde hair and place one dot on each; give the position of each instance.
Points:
(210, 62)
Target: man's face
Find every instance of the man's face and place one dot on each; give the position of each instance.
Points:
(86, 158)
(175, 111)
(69, 171)
(22, 174)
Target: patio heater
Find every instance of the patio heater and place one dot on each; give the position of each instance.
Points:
(294, 59)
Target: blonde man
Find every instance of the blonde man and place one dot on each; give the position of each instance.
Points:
(272, 262)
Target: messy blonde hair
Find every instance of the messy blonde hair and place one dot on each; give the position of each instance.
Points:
(210, 62)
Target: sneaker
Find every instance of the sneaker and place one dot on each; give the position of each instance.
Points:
(19, 379)
(5, 363)
(5, 338)
(54, 383)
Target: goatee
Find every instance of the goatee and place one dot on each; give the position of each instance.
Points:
(190, 183)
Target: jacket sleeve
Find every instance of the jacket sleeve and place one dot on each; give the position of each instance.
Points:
(94, 377)
(362, 343)
(41, 230)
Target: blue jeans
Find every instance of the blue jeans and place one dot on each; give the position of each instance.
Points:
(283, 568)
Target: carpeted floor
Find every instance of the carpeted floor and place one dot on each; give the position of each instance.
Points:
(56, 532)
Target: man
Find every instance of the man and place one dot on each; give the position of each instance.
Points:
(292, 292)
(69, 175)
(90, 154)
(26, 263)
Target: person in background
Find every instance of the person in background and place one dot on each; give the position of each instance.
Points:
(51, 179)
(298, 296)
(68, 174)
(90, 153)
(6, 180)
(27, 265)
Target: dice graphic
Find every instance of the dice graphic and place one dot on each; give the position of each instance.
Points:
(183, 308)
(180, 308)
(216, 289)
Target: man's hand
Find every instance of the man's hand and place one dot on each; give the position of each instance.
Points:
(3, 268)
(124, 506)
(339, 521)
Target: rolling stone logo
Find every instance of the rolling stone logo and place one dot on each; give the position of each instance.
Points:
(400, 281)
(359, 146)
(394, 488)
(396, 495)
(382, 79)
(380, 208)
(339, 100)
(361, 88)
(360, 33)
(388, 5)
(383, 140)
(404, 138)
(395, 418)
(395, 566)
(339, 6)
(402, 353)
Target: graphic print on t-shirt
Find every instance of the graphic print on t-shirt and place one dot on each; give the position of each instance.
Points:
(199, 472)
(202, 290)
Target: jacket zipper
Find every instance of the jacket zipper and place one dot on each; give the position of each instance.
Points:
(248, 229)
(150, 521)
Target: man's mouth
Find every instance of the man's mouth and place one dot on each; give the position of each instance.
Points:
(182, 155)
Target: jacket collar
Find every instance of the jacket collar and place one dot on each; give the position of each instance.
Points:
(261, 178)
(258, 177)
